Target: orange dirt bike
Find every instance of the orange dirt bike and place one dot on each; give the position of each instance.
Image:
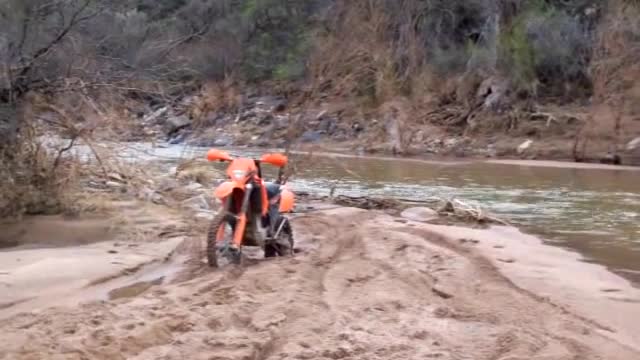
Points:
(252, 210)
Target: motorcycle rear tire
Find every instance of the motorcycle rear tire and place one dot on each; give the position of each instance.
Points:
(274, 249)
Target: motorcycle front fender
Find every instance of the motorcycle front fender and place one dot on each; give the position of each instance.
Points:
(226, 188)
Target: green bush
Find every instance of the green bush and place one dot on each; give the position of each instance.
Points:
(544, 48)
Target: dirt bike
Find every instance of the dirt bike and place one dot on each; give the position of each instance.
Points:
(252, 209)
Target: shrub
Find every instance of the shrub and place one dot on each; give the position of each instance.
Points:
(561, 48)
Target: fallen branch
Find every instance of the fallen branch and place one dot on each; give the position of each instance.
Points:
(467, 212)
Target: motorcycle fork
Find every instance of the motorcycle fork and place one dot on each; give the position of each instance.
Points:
(227, 207)
(274, 216)
(241, 223)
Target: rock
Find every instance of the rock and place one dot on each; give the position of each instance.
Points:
(150, 195)
(271, 103)
(493, 93)
(178, 137)
(193, 187)
(328, 125)
(265, 119)
(280, 106)
(611, 158)
(633, 144)
(205, 215)
(154, 117)
(158, 199)
(418, 137)
(310, 136)
(281, 122)
(524, 146)
(249, 114)
(419, 214)
(168, 184)
(492, 151)
(175, 123)
(114, 185)
(221, 140)
(450, 142)
(215, 118)
(197, 203)
(145, 193)
(116, 177)
(96, 185)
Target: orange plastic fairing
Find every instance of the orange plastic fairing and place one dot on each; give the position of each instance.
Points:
(287, 201)
(226, 188)
(275, 159)
(241, 164)
(217, 155)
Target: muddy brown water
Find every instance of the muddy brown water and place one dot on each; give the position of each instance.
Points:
(594, 211)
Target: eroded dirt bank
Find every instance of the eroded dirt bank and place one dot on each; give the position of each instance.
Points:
(365, 286)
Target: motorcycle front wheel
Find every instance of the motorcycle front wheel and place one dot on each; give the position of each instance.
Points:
(214, 250)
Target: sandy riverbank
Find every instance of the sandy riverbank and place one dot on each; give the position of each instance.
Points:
(365, 286)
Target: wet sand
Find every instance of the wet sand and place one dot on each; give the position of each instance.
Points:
(366, 285)
(38, 278)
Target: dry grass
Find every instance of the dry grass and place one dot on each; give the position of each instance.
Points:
(379, 69)
(198, 171)
(48, 178)
(213, 97)
(359, 65)
(35, 179)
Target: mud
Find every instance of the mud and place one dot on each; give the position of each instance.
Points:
(57, 261)
(364, 286)
(37, 231)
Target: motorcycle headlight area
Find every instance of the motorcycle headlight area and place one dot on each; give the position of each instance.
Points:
(239, 174)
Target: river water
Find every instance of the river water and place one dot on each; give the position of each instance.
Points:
(593, 211)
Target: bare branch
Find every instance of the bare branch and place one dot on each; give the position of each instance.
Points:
(23, 35)
(62, 151)
(75, 20)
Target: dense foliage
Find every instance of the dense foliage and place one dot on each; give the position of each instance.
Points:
(534, 42)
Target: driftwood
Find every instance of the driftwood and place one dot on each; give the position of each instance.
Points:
(467, 212)
(453, 208)
(369, 203)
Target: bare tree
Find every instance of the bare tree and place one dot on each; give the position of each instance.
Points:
(35, 29)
